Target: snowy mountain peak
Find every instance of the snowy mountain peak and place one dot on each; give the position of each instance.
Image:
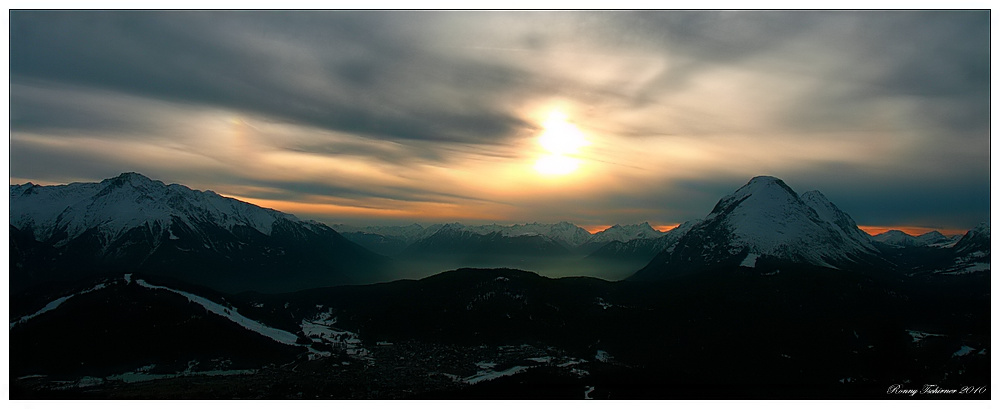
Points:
(982, 229)
(932, 237)
(453, 226)
(132, 178)
(765, 183)
(766, 218)
(830, 213)
(624, 233)
(118, 205)
(767, 191)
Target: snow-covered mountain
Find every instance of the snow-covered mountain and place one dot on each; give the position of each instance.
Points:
(456, 240)
(565, 233)
(898, 238)
(766, 220)
(972, 252)
(386, 239)
(407, 234)
(132, 223)
(626, 233)
(642, 248)
(115, 206)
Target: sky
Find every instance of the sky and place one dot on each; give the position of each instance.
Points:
(591, 117)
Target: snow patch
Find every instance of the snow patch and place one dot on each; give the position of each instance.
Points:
(490, 375)
(133, 377)
(54, 304)
(320, 329)
(965, 350)
(231, 314)
(969, 269)
(750, 261)
(920, 335)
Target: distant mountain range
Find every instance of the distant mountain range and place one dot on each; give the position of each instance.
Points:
(898, 238)
(132, 223)
(390, 240)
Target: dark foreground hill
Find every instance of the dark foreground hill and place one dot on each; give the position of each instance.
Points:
(802, 333)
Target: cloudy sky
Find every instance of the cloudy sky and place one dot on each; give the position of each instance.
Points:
(597, 118)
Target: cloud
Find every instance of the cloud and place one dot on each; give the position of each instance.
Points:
(427, 111)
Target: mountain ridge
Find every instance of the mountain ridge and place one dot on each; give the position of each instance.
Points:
(133, 223)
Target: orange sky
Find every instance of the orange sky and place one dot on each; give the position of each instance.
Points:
(465, 213)
(872, 230)
(911, 230)
(594, 228)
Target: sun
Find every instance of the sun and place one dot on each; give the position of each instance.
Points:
(562, 140)
(561, 137)
(556, 165)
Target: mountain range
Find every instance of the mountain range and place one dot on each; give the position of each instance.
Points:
(390, 240)
(898, 238)
(130, 223)
(130, 288)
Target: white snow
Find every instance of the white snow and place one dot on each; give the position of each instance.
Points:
(115, 206)
(963, 351)
(133, 377)
(53, 305)
(969, 269)
(128, 278)
(920, 335)
(320, 328)
(231, 314)
(626, 233)
(486, 364)
(600, 302)
(48, 307)
(490, 375)
(602, 356)
(765, 217)
(570, 362)
(750, 260)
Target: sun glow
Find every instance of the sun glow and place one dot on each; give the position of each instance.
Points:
(562, 140)
(556, 165)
